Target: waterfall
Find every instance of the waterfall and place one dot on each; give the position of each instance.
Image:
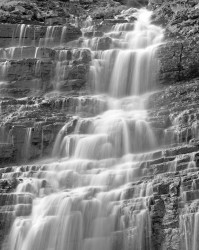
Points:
(131, 63)
(27, 144)
(4, 66)
(88, 197)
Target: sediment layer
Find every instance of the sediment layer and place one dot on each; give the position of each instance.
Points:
(27, 105)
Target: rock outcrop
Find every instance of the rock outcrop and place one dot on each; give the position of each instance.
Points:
(58, 12)
(179, 61)
(179, 55)
(174, 190)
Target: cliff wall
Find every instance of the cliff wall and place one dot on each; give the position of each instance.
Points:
(32, 112)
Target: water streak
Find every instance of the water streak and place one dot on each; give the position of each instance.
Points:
(131, 68)
(27, 144)
(89, 196)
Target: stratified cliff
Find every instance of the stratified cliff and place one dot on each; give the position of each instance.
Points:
(176, 200)
(56, 12)
(41, 55)
(179, 56)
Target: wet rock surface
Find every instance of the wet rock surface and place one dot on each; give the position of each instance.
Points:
(31, 76)
(28, 113)
(178, 104)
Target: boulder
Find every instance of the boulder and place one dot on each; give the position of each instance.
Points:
(20, 9)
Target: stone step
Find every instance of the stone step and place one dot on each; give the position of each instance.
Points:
(170, 163)
(26, 69)
(165, 167)
(190, 183)
(11, 175)
(76, 55)
(6, 219)
(90, 34)
(23, 210)
(28, 35)
(53, 104)
(7, 153)
(190, 195)
(108, 24)
(188, 186)
(19, 209)
(184, 149)
(15, 198)
(45, 74)
(162, 164)
(16, 53)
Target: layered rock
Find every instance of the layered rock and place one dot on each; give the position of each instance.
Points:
(31, 35)
(57, 12)
(42, 118)
(25, 76)
(175, 192)
(179, 56)
(179, 60)
(30, 124)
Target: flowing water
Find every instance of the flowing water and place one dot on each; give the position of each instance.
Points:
(24, 41)
(88, 197)
(27, 144)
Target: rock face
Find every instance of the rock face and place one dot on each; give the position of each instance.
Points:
(29, 63)
(133, 3)
(179, 56)
(56, 12)
(179, 60)
(45, 60)
(35, 69)
(175, 192)
(27, 35)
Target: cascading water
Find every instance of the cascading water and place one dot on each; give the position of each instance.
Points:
(27, 142)
(27, 43)
(131, 64)
(89, 198)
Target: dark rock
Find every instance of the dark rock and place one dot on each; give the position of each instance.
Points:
(7, 153)
(178, 61)
(103, 43)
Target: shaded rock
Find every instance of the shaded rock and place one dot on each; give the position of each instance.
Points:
(55, 21)
(20, 9)
(103, 43)
(28, 35)
(93, 34)
(7, 153)
(26, 52)
(178, 61)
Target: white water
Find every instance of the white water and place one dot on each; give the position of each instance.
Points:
(189, 226)
(130, 68)
(4, 66)
(81, 200)
(27, 144)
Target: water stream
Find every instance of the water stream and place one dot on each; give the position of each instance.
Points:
(88, 196)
